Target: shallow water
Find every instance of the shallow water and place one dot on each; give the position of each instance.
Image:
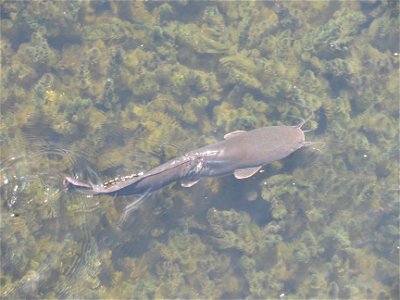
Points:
(99, 90)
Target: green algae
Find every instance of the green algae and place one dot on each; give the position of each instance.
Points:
(117, 79)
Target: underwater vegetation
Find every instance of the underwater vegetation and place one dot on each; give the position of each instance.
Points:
(127, 85)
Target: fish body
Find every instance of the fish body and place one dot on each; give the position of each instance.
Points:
(242, 153)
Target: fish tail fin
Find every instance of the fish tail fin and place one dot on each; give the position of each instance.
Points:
(73, 184)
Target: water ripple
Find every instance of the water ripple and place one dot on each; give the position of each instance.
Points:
(47, 244)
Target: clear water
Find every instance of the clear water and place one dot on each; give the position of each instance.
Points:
(98, 90)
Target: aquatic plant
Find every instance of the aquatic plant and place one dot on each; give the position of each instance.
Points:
(193, 37)
(37, 53)
(132, 85)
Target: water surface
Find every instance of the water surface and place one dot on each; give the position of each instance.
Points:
(98, 90)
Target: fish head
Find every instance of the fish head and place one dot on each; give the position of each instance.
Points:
(299, 137)
(290, 138)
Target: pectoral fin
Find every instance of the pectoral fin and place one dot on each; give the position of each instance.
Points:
(233, 133)
(246, 173)
(189, 183)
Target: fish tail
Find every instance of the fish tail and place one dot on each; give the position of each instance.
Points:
(73, 184)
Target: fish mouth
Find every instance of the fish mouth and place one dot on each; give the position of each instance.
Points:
(302, 136)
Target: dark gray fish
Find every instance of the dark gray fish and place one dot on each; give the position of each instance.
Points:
(242, 153)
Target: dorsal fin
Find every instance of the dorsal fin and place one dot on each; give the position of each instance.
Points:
(233, 133)
(189, 182)
(246, 173)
